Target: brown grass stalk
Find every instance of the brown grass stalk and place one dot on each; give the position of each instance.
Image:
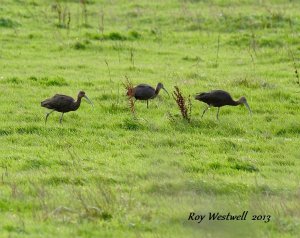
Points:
(129, 87)
(295, 66)
(185, 106)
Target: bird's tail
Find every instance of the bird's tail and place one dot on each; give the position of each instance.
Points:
(45, 103)
(199, 96)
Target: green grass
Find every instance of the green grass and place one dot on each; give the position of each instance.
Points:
(104, 173)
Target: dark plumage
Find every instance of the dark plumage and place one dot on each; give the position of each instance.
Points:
(220, 98)
(63, 103)
(145, 92)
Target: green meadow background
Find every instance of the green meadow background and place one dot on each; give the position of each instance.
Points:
(104, 172)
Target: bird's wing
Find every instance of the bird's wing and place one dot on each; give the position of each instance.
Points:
(58, 100)
(215, 98)
(144, 91)
(144, 85)
(221, 95)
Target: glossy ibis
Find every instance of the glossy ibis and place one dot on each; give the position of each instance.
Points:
(145, 92)
(63, 104)
(219, 98)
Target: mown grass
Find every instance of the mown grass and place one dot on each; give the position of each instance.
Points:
(105, 173)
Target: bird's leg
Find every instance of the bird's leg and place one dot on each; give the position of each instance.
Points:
(47, 114)
(60, 120)
(205, 111)
(218, 113)
(147, 103)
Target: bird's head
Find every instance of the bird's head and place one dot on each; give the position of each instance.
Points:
(243, 100)
(161, 86)
(81, 94)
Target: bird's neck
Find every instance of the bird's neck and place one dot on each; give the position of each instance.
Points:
(77, 103)
(236, 103)
(157, 91)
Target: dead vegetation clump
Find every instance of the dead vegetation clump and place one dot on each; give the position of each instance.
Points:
(130, 92)
(184, 105)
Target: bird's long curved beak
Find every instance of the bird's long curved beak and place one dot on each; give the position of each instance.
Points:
(166, 91)
(89, 101)
(247, 105)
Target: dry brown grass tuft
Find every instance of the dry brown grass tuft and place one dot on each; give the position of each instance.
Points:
(185, 106)
(130, 93)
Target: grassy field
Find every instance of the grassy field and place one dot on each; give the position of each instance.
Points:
(105, 173)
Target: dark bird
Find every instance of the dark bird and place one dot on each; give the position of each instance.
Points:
(220, 98)
(63, 104)
(145, 92)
